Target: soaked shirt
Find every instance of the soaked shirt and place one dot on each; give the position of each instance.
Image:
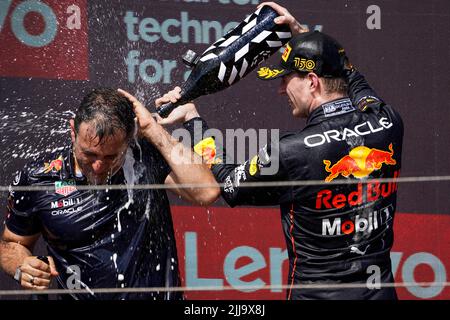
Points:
(106, 238)
(334, 232)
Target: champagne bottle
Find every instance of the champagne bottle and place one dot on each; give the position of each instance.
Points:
(231, 57)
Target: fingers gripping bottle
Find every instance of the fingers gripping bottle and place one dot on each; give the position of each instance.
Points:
(231, 57)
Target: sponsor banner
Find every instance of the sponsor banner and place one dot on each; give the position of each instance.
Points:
(422, 254)
(245, 246)
(44, 39)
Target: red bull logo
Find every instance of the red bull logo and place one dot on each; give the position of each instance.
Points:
(53, 166)
(360, 163)
(328, 199)
(207, 150)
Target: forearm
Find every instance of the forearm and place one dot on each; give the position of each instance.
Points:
(187, 168)
(215, 155)
(230, 174)
(12, 255)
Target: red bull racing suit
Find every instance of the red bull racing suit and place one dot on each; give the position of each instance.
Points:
(335, 233)
(101, 238)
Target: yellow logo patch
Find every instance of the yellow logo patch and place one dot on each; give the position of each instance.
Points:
(303, 64)
(207, 150)
(253, 166)
(267, 73)
(286, 53)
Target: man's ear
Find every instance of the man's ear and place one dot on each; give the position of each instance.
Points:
(314, 81)
(72, 130)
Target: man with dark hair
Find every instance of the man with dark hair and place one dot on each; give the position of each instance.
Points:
(335, 233)
(108, 238)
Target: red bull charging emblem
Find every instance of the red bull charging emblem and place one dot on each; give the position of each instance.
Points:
(53, 166)
(207, 150)
(360, 162)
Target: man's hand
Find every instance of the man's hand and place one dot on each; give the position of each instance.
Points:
(181, 113)
(285, 18)
(144, 117)
(36, 274)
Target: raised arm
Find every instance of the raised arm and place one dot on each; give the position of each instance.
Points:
(285, 17)
(359, 90)
(263, 167)
(266, 166)
(187, 168)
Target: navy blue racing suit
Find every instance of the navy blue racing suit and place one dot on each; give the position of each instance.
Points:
(335, 233)
(105, 238)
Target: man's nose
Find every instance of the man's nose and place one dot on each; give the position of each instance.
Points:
(98, 166)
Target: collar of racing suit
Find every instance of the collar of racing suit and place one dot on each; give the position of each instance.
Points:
(69, 167)
(330, 109)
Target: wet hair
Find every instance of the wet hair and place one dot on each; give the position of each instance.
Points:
(108, 110)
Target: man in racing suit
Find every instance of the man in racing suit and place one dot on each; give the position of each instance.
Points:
(335, 232)
(109, 238)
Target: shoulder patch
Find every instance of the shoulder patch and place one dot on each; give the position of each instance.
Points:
(54, 165)
(366, 101)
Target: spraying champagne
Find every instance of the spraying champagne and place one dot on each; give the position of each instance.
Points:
(231, 57)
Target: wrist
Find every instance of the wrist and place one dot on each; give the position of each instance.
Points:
(189, 124)
(158, 136)
(151, 131)
(191, 115)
